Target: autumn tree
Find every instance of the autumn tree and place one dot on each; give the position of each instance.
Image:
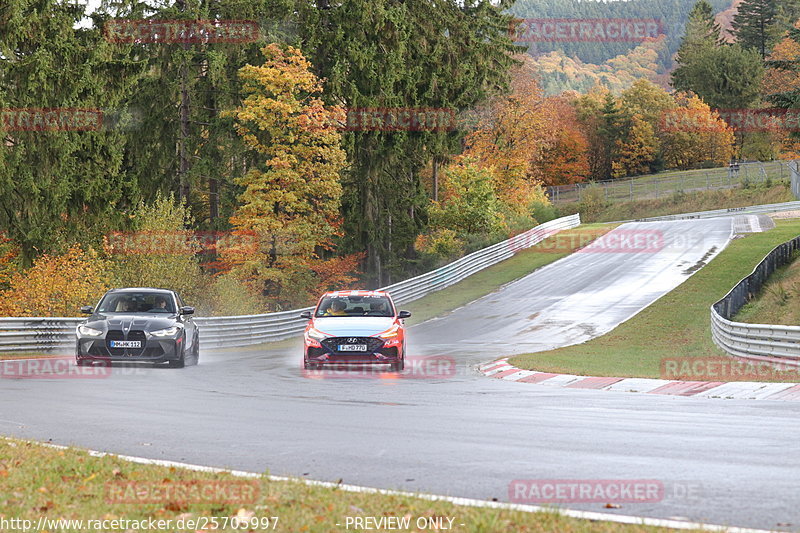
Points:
(637, 151)
(469, 201)
(291, 199)
(561, 156)
(510, 136)
(693, 134)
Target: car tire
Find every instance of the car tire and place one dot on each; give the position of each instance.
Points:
(83, 362)
(179, 363)
(400, 365)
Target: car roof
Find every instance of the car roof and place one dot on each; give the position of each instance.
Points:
(140, 289)
(336, 294)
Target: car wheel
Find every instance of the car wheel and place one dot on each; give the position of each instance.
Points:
(400, 365)
(179, 363)
(310, 366)
(83, 362)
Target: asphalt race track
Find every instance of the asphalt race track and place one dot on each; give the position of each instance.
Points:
(721, 461)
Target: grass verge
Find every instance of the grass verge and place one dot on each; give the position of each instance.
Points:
(73, 485)
(490, 279)
(676, 325)
(779, 299)
(679, 202)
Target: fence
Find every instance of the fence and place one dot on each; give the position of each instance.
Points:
(668, 183)
(756, 341)
(794, 177)
(40, 333)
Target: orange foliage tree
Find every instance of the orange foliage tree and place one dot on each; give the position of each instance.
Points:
(528, 140)
(56, 285)
(290, 201)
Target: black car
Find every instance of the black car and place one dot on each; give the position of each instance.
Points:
(139, 324)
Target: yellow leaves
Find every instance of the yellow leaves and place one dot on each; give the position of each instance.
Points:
(291, 198)
(56, 285)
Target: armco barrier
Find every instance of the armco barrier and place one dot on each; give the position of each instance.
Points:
(761, 342)
(42, 334)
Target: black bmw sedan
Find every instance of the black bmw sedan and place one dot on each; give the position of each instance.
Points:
(139, 324)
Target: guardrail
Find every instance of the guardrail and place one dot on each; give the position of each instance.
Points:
(42, 334)
(760, 342)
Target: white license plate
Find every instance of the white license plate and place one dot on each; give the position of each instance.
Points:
(352, 347)
(126, 344)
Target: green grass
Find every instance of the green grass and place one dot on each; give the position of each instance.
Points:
(38, 481)
(778, 302)
(676, 325)
(680, 203)
(495, 276)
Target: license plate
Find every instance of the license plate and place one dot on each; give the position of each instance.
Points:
(126, 344)
(352, 347)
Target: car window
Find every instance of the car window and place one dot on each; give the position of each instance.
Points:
(137, 302)
(355, 306)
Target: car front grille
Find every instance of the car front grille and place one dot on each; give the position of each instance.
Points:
(332, 344)
(133, 335)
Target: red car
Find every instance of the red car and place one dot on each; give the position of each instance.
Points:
(355, 327)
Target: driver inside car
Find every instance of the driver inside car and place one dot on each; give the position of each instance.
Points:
(377, 309)
(337, 308)
(160, 305)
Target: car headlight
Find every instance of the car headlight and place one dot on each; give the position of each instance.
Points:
(168, 332)
(86, 331)
(389, 333)
(316, 334)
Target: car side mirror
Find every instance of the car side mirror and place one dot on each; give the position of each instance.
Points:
(404, 314)
(187, 310)
(305, 314)
(87, 309)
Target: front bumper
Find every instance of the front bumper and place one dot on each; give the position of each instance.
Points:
(379, 352)
(153, 350)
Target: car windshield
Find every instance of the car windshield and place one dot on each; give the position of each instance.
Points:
(355, 306)
(136, 302)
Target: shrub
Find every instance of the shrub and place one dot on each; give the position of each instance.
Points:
(164, 254)
(228, 296)
(56, 285)
(439, 245)
(593, 201)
